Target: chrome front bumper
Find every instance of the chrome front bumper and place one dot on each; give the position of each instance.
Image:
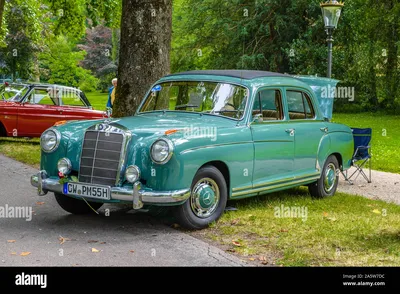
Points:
(135, 195)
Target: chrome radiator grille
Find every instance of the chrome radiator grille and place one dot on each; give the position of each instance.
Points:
(100, 158)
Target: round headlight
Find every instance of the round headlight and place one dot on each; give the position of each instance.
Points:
(161, 151)
(50, 140)
(64, 166)
(132, 173)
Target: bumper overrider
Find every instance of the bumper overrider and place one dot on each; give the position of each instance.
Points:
(133, 194)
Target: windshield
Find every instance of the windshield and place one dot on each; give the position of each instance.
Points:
(196, 96)
(13, 92)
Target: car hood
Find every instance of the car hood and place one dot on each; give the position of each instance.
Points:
(161, 122)
(151, 124)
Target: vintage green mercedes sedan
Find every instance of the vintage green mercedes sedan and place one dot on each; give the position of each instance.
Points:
(198, 139)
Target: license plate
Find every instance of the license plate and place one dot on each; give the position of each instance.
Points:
(87, 190)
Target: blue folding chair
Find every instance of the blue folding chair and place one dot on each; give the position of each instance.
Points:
(361, 156)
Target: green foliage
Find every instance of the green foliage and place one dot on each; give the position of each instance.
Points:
(23, 33)
(288, 36)
(60, 65)
(71, 17)
(101, 44)
(239, 33)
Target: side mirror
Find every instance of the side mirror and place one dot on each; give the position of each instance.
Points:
(258, 118)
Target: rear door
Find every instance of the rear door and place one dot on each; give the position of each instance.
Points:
(308, 131)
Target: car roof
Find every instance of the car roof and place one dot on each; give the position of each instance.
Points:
(241, 74)
(44, 85)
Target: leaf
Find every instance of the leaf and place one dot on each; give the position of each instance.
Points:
(10, 241)
(25, 253)
(132, 251)
(332, 219)
(13, 253)
(94, 250)
(62, 239)
(284, 230)
(325, 214)
(39, 203)
(235, 221)
(102, 242)
(262, 258)
(236, 243)
(252, 259)
(92, 241)
(376, 211)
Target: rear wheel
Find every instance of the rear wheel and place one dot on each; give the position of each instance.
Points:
(76, 206)
(327, 184)
(207, 200)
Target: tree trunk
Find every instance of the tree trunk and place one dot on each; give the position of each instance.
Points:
(372, 87)
(2, 2)
(391, 80)
(144, 51)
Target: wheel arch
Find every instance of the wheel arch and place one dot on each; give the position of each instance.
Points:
(339, 159)
(224, 169)
(3, 130)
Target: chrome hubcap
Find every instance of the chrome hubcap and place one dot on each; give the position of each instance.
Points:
(330, 177)
(204, 198)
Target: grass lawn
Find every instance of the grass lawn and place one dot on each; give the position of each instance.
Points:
(24, 150)
(97, 99)
(385, 137)
(343, 230)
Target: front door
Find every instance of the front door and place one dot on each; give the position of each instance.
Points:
(273, 140)
(38, 112)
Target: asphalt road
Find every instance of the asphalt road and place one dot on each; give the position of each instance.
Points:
(123, 238)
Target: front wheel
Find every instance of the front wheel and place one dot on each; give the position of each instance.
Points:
(207, 200)
(76, 206)
(327, 184)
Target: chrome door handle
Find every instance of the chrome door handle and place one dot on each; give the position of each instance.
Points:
(325, 130)
(290, 131)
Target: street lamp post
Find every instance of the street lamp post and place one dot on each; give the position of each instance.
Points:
(331, 11)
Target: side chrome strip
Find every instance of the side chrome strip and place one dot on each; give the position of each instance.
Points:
(275, 186)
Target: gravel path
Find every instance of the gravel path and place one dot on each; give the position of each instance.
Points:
(384, 186)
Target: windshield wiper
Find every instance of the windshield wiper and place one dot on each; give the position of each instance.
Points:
(186, 106)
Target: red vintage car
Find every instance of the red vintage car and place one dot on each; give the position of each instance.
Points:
(27, 110)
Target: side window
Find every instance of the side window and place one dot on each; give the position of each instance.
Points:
(299, 105)
(71, 97)
(310, 113)
(269, 104)
(41, 97)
